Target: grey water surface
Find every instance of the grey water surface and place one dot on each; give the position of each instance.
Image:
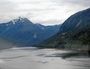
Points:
(34, 58)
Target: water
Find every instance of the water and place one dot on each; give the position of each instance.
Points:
(33, 58)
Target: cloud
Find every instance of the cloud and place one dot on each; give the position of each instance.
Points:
(6, 9)
(42, 11)
(6, 6)
(74, 2)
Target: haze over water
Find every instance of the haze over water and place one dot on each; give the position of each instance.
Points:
(33, 58)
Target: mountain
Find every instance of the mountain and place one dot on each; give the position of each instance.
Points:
(23, 32)
(73, 33)
(78, 21)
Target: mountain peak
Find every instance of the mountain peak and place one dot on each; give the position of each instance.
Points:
(21, 20)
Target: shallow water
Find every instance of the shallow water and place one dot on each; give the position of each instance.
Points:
(33, 58)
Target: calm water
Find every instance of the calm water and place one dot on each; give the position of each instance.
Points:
(33, 58)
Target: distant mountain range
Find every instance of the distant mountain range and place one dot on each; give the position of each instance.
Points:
(23, 32)
(73, 33)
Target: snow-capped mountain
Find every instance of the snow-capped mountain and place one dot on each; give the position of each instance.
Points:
(23, 32)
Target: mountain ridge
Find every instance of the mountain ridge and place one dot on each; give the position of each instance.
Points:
(73, 33)
(23, 31)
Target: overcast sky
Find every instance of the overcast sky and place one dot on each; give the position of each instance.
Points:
(46, 12)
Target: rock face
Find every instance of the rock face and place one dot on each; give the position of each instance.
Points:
(23, 32)
(73, 33)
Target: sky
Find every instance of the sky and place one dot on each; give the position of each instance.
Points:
(46, 12)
